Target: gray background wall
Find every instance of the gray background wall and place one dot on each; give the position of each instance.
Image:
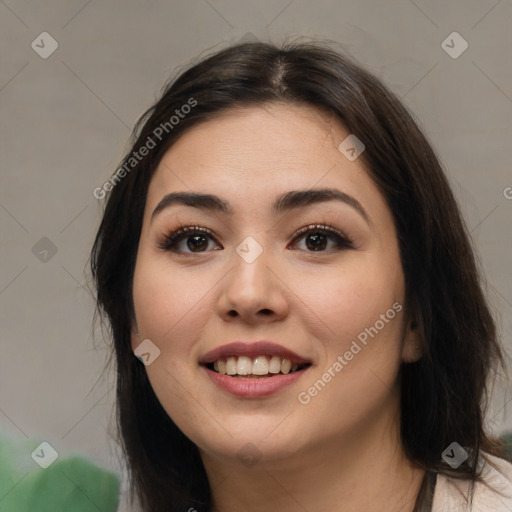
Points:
(65, 120)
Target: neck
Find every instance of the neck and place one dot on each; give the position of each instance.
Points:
(365, 469)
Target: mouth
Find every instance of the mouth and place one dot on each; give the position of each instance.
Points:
(253, 370)
(260, 367)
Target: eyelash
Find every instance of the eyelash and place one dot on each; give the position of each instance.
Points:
(168, 243)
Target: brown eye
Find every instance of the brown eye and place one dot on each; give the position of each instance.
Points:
(197, 242)
(188, 240)
(318, 238)
(316, 241)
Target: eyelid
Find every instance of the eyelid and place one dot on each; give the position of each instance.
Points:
(321, 227)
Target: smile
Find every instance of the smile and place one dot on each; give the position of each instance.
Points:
(257, 367)
(252, 370)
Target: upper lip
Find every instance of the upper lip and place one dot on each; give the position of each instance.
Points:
(252, 350)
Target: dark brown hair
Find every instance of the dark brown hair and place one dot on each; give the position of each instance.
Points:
(444, 394)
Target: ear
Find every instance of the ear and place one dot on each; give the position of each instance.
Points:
(412, 349)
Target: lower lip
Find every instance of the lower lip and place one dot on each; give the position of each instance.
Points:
(253, 388)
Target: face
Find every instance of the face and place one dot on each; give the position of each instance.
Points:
(316, 277)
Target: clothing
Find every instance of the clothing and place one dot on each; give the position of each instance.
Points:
(448, 497)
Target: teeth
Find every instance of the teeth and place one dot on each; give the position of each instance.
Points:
(259, 366)
(244, 366)
(286, 366)
(275, 365)
(230, 366)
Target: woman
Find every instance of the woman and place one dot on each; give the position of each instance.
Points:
(282, 252)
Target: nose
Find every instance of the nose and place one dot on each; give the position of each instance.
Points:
(253, 292)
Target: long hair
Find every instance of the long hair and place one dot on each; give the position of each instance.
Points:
(443, 395)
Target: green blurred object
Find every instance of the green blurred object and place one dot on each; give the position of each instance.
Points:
(70, 484)
(506, 439)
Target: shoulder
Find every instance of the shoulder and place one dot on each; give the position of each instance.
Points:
(494, 494)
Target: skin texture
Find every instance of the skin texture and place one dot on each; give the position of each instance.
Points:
(341, 451)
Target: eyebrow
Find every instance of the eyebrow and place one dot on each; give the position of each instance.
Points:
(288, 201)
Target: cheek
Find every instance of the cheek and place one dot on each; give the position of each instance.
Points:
(363, 310)
(166, 301)
(166, 305)
(350, 298)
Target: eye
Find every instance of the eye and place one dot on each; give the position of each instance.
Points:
(316, 238)
(194, 238)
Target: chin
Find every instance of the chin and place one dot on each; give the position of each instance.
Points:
(266, 439)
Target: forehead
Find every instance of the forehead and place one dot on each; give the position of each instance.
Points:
(251, 155)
